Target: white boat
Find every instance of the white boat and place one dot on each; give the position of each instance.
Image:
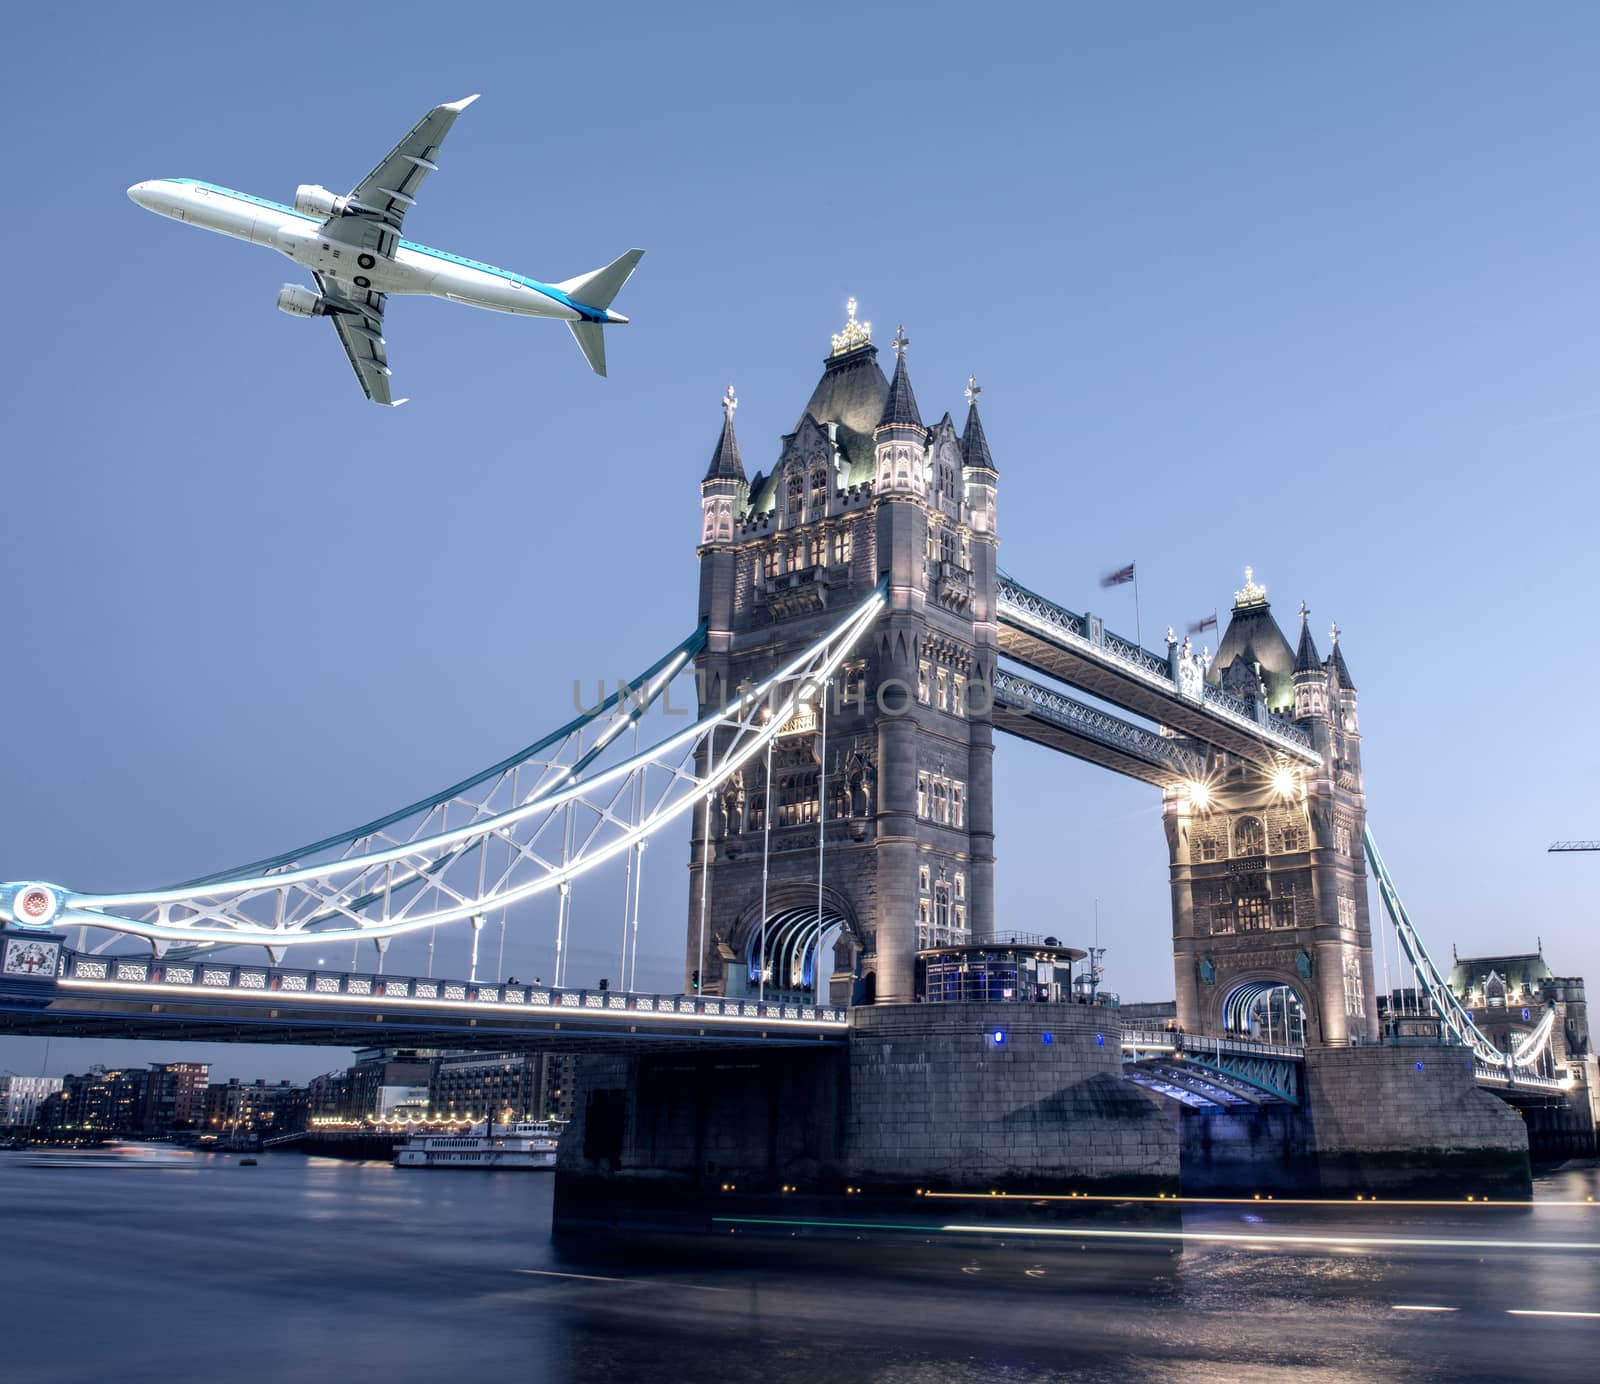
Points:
(521, 1146)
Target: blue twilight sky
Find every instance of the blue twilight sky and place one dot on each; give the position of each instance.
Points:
(1308, 287)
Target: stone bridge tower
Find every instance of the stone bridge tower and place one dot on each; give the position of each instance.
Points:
(1271, 933)
(901, 792)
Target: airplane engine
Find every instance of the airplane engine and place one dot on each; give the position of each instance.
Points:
(301, 302)
(315, 200)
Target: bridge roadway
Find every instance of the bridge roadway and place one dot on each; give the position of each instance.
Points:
(1079, 651)
(196, 1000)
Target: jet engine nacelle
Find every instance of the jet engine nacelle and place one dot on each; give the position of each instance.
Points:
(301, 302)
(315, 200)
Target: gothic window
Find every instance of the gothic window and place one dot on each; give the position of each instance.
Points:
(947, 546)
(1341, 839)
(799, 555)
(1292, 836)
(958, 702)
(1253, 912)
(942, 693)
(923, 672)
(769, 561)
(922, 795)
(941, 905)
(922, 879)
(796, 790)
(1248, 837)
(961, 886)
(941, 801)
(961, 921)
(1208, 848)
(841, 548)
(1283, 910)
(819, 493)
(797, 493)
(1354, 999)
(958, 805)
(1347, 911)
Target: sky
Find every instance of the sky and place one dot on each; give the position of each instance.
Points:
(1311, 288)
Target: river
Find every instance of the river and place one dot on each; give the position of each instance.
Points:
(308, 1269)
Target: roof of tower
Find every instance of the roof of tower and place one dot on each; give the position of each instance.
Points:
(850, 397)
(901, 405)
(1523, 972)
(974, 445)
(726, 463)
(1253, 635)
(1306, 658)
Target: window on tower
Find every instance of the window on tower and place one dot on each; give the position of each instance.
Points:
(797, 494)
(841, 548)
(923, 673)
(1249, 837)
(819, 493)
(769, 562)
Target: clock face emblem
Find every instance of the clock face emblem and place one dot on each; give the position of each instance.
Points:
(31, 958)
(35, 905)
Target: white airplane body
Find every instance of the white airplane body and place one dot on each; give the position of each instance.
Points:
(354, 249)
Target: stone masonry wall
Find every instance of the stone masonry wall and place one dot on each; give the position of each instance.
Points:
(1375, 1100)
(935, 1101)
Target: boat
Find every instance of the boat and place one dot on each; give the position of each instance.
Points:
(526, 1146)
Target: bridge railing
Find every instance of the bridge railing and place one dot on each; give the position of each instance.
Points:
(193, 976)
(1163, 1040)
(1498, 1076)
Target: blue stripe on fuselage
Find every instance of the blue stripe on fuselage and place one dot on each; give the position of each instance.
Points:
(588, 313)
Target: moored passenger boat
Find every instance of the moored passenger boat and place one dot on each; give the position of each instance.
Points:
(522, 1146)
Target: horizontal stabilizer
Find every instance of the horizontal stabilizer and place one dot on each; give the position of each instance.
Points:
(591, 342)
(597, 288)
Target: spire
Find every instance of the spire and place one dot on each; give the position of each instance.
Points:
(1337, 659)
(901, 405)
(974, 445)
(1306, 658)
(726, 464)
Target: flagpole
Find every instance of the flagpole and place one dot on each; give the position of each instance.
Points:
(1138, 631)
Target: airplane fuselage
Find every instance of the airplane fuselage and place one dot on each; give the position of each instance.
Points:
(415, 269)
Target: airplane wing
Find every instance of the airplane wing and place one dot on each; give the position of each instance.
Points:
(379, 202)
(358, 319)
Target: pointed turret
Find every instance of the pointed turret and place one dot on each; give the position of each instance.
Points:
(1310, 677)
(726, 463)
(1306, 658)
(900, 408)
(1336, 661)
(723, 492)
(900, 441)
(974, 445)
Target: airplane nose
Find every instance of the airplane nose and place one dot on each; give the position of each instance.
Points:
(143, 193)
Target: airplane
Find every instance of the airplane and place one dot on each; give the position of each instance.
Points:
(352, 246)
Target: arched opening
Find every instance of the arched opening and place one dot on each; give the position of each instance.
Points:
(795, 937)
(1267, 1010)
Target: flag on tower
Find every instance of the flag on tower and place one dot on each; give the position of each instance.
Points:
(1209, 623)
(1121, 577)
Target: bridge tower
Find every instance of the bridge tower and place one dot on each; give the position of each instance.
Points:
(1271, 932)
(886, 792)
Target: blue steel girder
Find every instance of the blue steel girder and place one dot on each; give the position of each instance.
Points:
(1045, 716)
(1278, 1077)
(1079, 651)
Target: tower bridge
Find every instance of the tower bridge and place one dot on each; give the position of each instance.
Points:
(856, 646)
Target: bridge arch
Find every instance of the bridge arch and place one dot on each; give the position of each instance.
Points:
(791, 936)
(1268, 1007)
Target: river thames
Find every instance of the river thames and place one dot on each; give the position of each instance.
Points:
(304, 1269)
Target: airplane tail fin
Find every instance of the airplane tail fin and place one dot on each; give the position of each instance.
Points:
(591, 342)
(597, 288)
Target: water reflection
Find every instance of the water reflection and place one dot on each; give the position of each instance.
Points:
(307, 1269)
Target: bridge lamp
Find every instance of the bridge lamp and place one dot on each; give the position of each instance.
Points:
(1285, 783)
(1199, 794)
